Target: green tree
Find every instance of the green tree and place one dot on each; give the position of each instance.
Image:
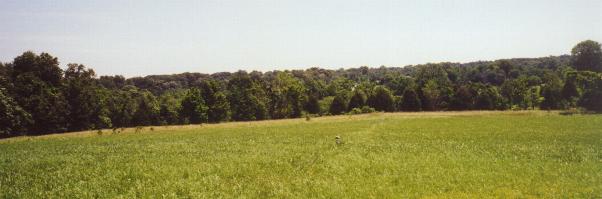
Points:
(587, 55)
(432, 95)
(533, 97)
(287, 96)
(551, 92)
(358, 100)
(312, 105)
(325, 105)
(316, 88)
(169, 108)
(147, 111)
(570, 93)
(82, 98)
(506, 66)
(216, 100)
(399, 83)
(122, 105)
(193, 110)
(592, 92)
(12, 117)
(463, 98)
(515, 91)
(340, 85)
(37, 83)
(382, 99)
(339, 104)
(410, 101)
(435, 85)
(488, 97)
(246, 98)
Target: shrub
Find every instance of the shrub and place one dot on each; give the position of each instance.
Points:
(355, 111)
(571, 111)
(367, 109)
(339, 105)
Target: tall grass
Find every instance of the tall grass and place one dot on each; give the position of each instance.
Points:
(463, 154)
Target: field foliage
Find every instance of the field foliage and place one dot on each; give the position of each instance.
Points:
(393, 155)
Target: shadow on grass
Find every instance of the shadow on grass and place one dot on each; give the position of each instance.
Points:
(578, 112)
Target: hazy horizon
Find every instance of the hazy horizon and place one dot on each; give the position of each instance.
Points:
(137, 38)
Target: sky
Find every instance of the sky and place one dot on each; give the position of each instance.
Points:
(138, 38)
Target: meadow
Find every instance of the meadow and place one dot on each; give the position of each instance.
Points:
(382, 155)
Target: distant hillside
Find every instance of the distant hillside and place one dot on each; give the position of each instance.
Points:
(38, 97)
(160, 83)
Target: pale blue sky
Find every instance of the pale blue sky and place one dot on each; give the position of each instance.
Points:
(135, 38)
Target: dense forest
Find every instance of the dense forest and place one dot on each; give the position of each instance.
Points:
(38, 97)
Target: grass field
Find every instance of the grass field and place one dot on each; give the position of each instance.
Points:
(450, 154)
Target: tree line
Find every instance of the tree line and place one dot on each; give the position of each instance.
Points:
(38, 97)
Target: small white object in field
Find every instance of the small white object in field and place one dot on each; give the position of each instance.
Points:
(338, 140)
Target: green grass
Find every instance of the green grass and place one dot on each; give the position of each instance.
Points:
(453, 154)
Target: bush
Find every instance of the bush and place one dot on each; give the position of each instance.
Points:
(571, 111)
(364, 109)
(367, 109)
(355, 111)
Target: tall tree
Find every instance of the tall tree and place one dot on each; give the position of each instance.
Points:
(410, 101)
(122, 104)
(488, 97)
(312, 105)
(533, 97)
(463, 98)
(358, 100)
(551, 92)
(287, 95)
(382, 99)
(591, 85)
(80, 93)
(340, 85)
(12, 117)
(398, 83)
(435, 85)
(587, 55)
(216, 100)
(515, 91)
(592, 97)
(169, 108)
(570, 92)
(245, 97)
(37, 83)
(506, 66)
(339, 104)
(432, 95)
(194, 109)
(147, 112)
